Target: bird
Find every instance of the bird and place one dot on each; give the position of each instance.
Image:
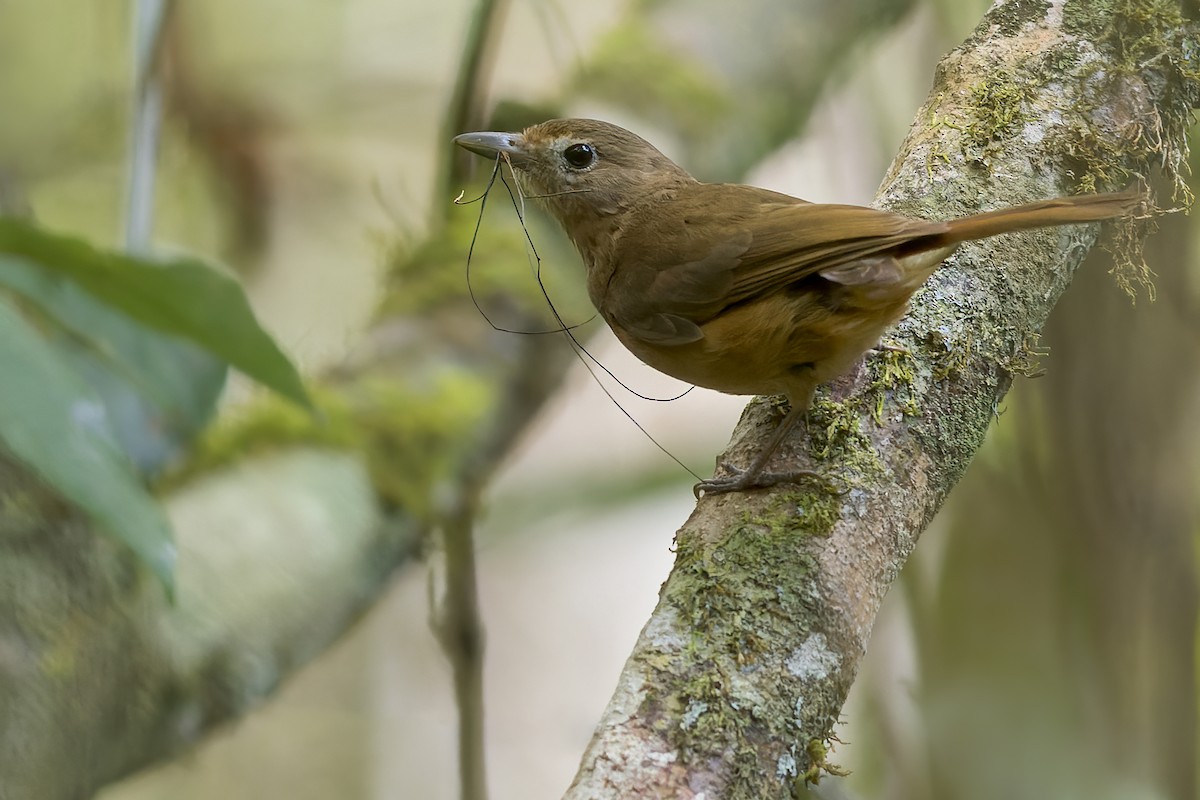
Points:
(736, 288)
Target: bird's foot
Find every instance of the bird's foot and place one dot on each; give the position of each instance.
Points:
(891, 347)
(741, 479)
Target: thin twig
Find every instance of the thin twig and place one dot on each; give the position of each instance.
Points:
(460, 632)
(459, 627)
(458, 624)
(465, 111)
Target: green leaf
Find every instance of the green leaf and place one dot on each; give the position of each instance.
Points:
(51, 421)
(159, 391)
(181, 296)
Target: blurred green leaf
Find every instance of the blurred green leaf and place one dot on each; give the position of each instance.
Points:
(159, 391)
(181, 296)
(52, 422)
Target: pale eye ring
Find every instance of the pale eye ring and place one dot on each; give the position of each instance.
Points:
(579, 156)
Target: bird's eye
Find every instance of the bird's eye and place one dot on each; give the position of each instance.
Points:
(580, 156)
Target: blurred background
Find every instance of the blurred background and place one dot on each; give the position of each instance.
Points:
(1041, 642)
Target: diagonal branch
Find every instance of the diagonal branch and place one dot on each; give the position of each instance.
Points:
(741, 672)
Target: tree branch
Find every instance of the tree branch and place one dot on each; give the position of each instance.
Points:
(279, 555)
(741, 672)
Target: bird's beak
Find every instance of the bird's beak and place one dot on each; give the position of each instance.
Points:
(490, 145)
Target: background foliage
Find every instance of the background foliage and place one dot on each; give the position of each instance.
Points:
(1044, 641)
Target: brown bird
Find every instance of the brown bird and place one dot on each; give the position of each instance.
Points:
(736, 288)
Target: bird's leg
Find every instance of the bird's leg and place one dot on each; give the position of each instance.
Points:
(891, 347)
(753, 476)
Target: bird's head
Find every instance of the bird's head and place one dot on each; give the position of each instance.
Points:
(582, 167)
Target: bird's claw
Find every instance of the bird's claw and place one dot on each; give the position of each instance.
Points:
(891, 347)
(740, 480)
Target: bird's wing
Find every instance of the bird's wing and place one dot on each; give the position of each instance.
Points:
(840, 243)
(682, 265)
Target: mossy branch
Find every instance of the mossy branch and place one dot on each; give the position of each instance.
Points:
(289, 527)
(759, 630)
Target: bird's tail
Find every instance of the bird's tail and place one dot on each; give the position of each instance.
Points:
(1047, 213)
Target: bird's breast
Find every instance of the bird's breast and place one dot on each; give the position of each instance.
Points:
(779, 344)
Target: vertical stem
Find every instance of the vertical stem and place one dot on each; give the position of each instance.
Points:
(464, 111)
(459, 627)
(149, 22)
(462, 638)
